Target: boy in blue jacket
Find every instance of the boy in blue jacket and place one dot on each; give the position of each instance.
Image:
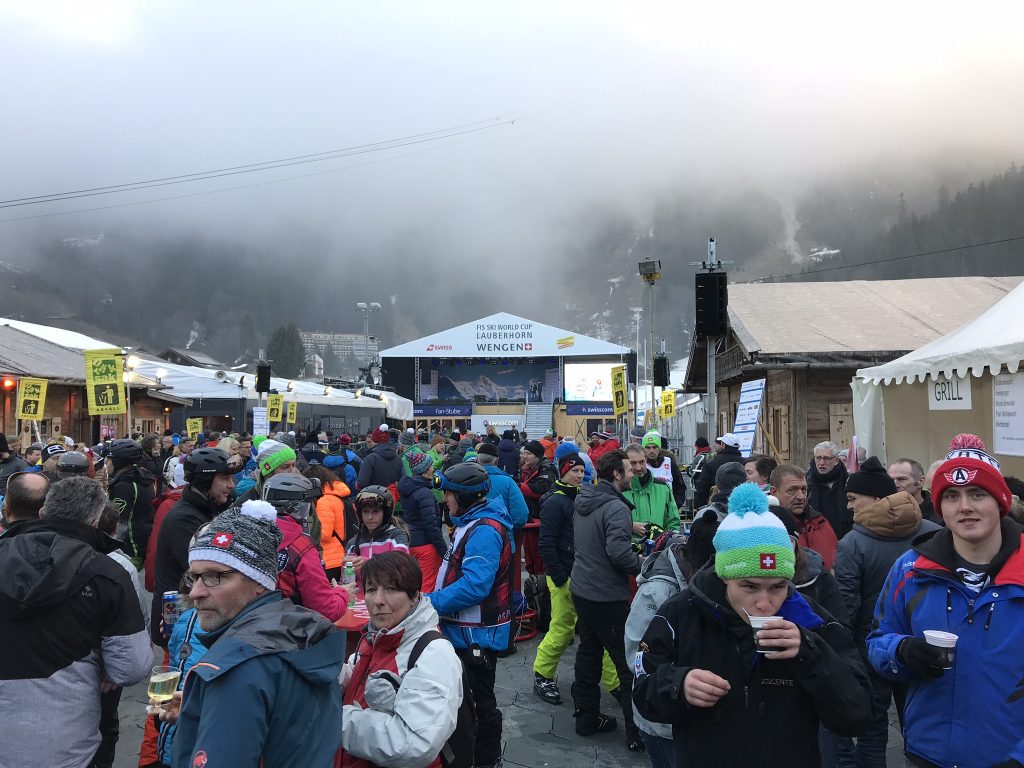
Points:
(966, 579)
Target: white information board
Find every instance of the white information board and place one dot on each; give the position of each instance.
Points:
(260, 425)
(949, 394)
(1008, 413)
(747, 413)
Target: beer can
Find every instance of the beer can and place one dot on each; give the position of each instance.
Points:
(649, 546)
(170, 610)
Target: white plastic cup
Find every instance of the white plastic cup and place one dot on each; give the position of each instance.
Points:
(758, 622)
(944, 640)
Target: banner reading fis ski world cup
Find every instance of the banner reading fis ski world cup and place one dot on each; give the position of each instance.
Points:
(104, 381)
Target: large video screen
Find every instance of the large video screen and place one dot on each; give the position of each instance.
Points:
(588, 382)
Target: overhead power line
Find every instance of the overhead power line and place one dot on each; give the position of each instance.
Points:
(886, 261)
(318, 157)
(431, 148)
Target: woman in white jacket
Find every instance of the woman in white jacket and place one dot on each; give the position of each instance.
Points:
(397, 716)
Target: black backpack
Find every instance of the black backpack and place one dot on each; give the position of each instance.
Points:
(458, 751)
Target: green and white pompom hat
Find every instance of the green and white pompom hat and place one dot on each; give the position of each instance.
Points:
(752, 542)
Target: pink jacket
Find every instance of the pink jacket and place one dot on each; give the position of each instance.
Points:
(312, 589)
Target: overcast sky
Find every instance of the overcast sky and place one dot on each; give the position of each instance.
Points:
(613, 102)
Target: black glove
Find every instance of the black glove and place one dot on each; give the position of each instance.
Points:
(926, 660)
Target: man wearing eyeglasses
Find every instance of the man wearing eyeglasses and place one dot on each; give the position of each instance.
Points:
(266, 691)
(826, 488)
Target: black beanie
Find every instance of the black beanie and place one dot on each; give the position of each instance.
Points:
(535, 448)
(569, 461)
(871, 480)
(489, 448)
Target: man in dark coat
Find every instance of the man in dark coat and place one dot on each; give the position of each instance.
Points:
(600, 587)
(508, 453)
(826, 488)
(727, 449)
(382, 465)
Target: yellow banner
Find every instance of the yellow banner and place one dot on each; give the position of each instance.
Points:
(293, 412)
(668, 404)
(620, 402)
(104, 381)
(193, 427)
(31, 399)
(275, 408)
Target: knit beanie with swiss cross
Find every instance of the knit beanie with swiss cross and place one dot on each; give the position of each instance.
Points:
(752, 542)
(245, 539)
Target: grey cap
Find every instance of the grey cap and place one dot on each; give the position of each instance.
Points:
(729, 475)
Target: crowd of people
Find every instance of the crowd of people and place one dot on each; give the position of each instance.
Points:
(735, 609)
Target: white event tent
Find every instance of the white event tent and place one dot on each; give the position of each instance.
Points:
(965, 381)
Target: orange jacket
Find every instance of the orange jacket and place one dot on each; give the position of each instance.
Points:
(549, 448)
(330, 509)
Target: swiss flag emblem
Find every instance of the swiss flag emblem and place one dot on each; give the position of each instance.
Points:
(222, 540)
(767, 561)
(528, 347)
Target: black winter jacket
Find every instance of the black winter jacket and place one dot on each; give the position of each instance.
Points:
(381, 466)
(881, 534)
(772, 707)
(827, 494)
(132, 492)
(419, 511)
(812, 579)
(69, 618)
(192, 511)
(508, 456)
(706, 479)
(556, 546)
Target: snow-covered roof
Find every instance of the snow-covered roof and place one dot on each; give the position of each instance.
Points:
(993, 339)
(68, 339)
(23, 354)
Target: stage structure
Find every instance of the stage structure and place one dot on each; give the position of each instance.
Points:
(509, 372)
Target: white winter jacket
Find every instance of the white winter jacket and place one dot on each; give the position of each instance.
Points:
(406, 728)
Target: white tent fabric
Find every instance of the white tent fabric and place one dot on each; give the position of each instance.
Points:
(505, 335)
(993, 339)
(398, 407)
(869, 417)
(203, 383)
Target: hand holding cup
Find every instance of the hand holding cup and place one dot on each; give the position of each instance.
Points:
(776, 638)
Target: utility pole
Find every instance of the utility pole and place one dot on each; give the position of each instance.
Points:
(650, 272)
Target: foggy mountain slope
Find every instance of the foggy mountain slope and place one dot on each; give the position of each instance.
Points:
(831, 224)
(227, 297)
